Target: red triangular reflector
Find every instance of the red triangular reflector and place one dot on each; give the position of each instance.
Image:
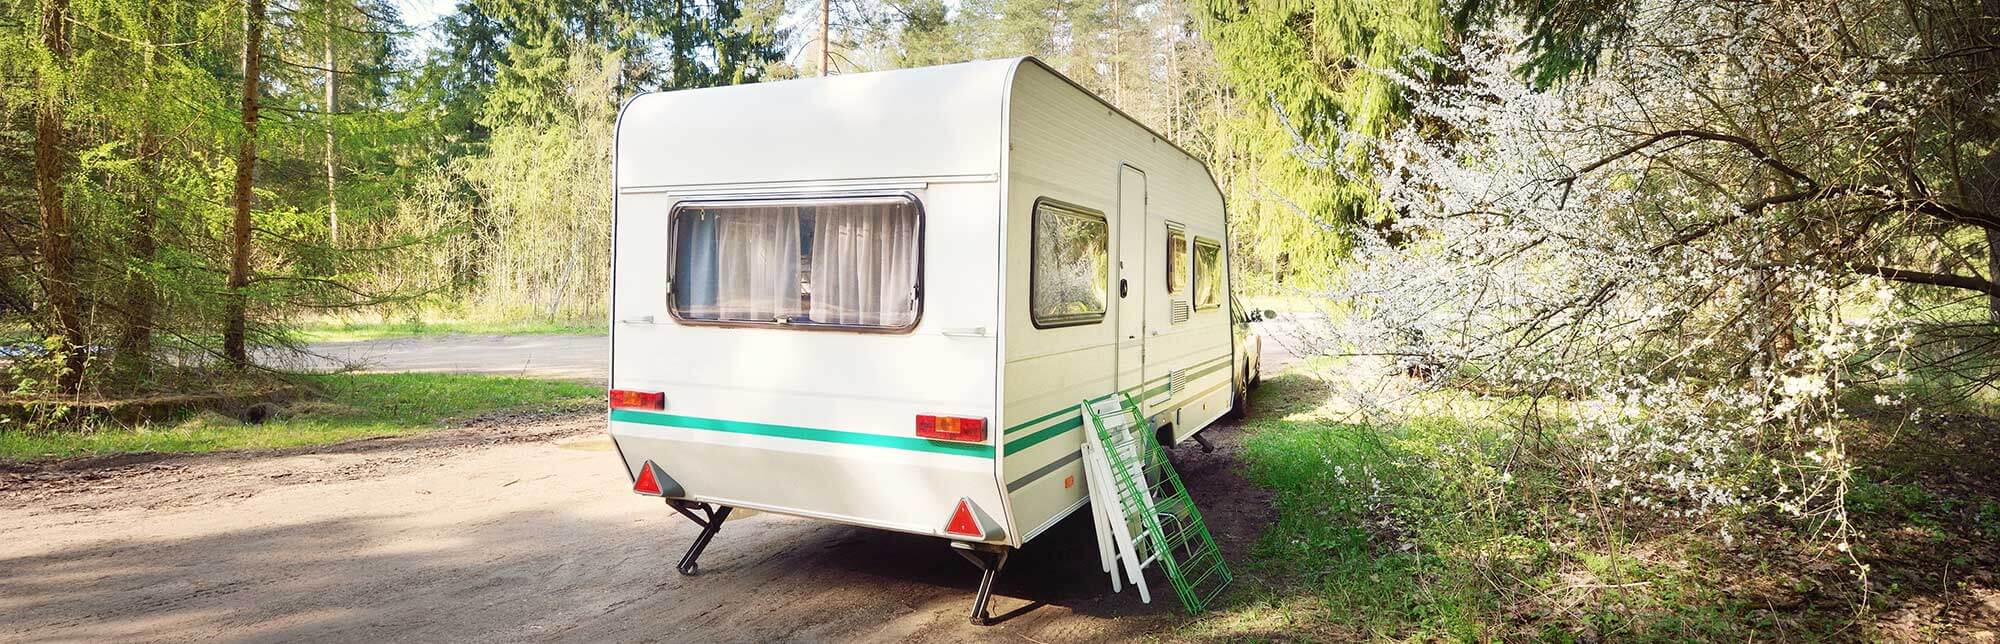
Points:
(648, 484)
(962, 522)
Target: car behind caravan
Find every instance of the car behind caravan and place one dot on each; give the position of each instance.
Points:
(878, 298)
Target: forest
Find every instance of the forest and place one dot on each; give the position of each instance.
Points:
(1607, 302)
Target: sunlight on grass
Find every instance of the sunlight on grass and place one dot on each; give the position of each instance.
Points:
(1406, 531)
(335, 330)
(349, 406)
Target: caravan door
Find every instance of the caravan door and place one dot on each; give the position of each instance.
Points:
(1131, 305)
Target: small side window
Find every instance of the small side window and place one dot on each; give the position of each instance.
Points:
(1070, 265)
(1177, 261)
(1207, 274)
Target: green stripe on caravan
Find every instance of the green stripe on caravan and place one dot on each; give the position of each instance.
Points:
(1053, 431)
(803, 433)
(1075, 422)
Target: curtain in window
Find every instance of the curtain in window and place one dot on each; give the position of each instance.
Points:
(864, 265)
(757, 264)
(694, 265)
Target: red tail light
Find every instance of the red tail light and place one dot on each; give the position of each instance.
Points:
(627, 399)
(951, 428)
(962, 522)
(648, 483)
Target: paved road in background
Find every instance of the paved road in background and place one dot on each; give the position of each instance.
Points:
(566, 357)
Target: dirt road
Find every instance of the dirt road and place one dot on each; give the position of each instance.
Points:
(517, 529)
(510, 529)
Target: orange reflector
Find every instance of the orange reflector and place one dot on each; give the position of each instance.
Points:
(628, 399)
(648, 483)
(962, 522)
(951, 428)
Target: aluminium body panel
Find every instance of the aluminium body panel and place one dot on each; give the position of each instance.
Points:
(1066, 144)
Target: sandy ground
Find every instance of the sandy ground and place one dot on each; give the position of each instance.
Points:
(511, 529)
(515, 528)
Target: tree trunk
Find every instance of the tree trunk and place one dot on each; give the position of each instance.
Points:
(233, 333)
(682, 50)
(58, 262)
(1985, 195)
(332, 154)
(134, 344)
(1993, 273)
(1117, 55)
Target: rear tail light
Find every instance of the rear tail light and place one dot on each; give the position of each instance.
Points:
(628, 399)
(951, 428)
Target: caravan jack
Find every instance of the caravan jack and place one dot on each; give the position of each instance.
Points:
(710, 522)
(990, 559)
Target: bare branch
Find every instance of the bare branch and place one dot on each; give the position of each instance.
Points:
(1749, 146)
(1933, 279)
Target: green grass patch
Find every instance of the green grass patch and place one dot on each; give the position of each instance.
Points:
(1450, 526)
(353, 330)
(347, 407)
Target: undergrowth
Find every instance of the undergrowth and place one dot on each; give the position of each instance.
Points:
(1452, 525)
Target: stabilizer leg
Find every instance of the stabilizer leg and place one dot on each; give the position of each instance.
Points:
(989, 560)
(710, 520)
(1206, 447)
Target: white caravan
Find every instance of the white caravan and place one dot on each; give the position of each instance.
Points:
(878, 298)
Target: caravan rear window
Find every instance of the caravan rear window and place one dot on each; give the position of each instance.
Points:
(845, 263)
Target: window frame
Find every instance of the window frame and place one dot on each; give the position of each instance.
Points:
(1187, 271)
(795, 200)
(1034, 266)
(1194, 267)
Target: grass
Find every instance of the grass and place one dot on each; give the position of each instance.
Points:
(349, 406)
(340, 330)
(1409, 532)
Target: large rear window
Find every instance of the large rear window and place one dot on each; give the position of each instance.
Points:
(830, 263)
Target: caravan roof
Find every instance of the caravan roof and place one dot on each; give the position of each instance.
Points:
(932, 121)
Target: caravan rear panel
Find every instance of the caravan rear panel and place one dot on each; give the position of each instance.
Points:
(803, 399)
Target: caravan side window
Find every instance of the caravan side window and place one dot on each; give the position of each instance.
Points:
(1070, 265)
(1177, 260)
(851, 263)
(1207, 273)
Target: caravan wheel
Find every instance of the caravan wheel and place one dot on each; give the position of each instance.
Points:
(1239, 402)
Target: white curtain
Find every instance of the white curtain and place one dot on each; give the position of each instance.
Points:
(757, 263)
(864, 265)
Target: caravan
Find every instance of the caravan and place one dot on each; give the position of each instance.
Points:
(877, 299)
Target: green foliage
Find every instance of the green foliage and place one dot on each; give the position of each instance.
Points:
(1395, 542)
(515, 199)
(1448, 526)
(1314, 82)
(346, 407)
(1566, 38)
(148, 99)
